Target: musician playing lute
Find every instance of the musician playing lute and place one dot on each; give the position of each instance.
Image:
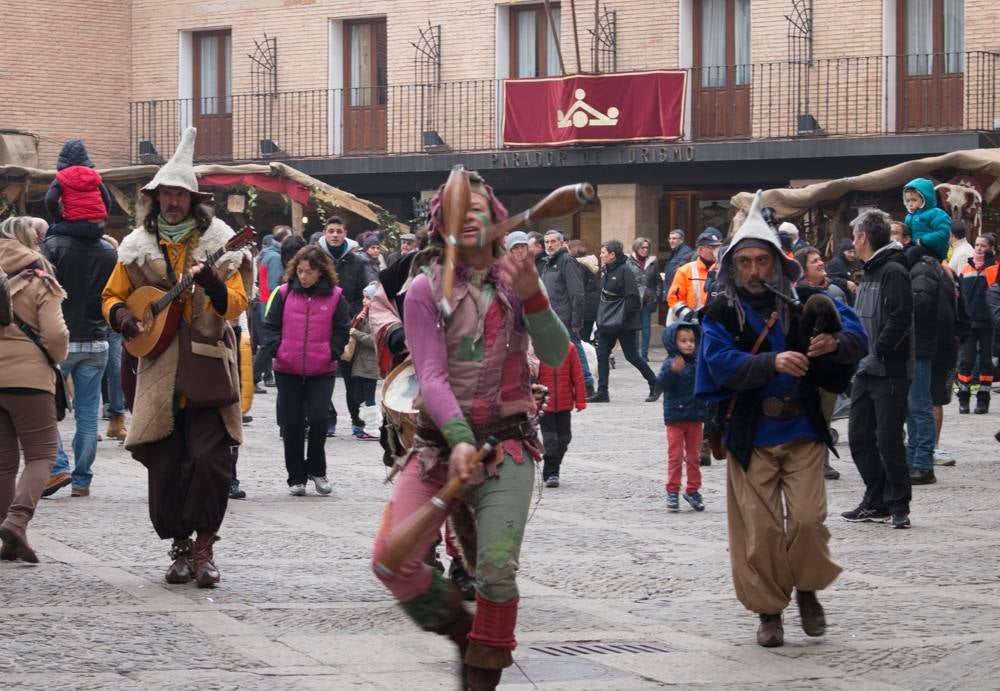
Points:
(186, 415)
(471, 363)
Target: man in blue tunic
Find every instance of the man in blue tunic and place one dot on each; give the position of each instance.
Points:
(776, 431)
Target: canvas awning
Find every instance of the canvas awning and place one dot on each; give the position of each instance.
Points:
(984, 164)
(18, 183)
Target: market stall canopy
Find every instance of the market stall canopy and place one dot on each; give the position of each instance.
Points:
(18, 183)
(984, 164)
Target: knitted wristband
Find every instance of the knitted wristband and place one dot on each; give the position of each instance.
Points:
(538, 302)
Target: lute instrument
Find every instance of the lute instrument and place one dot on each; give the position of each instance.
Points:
(160, 311)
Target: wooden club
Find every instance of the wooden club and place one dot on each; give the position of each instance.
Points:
(454, 207)
(405, 537)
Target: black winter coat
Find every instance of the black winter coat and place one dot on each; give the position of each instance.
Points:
(352, 276)
(885, 305)
(83, 262)
(619, 283)
(925, 277)
(561, 275)
(682, 255)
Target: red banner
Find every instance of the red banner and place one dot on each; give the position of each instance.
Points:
(587, 109)
(265, 182)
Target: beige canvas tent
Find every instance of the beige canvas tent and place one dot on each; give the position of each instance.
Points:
(981, 165)
(19, 186)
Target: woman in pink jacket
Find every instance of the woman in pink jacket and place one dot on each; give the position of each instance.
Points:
(305, 331)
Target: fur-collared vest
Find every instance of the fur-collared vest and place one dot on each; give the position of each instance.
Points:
(142, 258)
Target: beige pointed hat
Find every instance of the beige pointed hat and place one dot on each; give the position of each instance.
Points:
(179, 170)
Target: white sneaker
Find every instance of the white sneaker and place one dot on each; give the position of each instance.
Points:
(944, 458)
(323, 485)
(297, 490)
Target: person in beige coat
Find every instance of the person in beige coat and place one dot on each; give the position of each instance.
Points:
(27, 383)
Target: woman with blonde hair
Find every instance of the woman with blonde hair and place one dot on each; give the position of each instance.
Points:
(36, 337)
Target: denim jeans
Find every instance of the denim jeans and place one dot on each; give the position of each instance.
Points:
(588, 377)
(113, 375)
(86, 370)
(920, 431)
(645, 317)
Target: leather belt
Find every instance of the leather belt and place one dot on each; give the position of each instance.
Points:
(512, 427)
(781, 409)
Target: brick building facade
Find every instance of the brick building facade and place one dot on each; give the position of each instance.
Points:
(383, 98)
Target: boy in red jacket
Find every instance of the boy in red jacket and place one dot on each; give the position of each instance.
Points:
(566, 391)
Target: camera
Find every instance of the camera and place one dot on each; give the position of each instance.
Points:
(683, 313)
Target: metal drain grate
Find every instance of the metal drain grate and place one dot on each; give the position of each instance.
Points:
(574, 649)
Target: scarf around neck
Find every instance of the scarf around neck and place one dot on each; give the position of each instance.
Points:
(175, 233)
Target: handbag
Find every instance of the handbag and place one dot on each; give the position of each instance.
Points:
(611, 313)
(206, 369)
(60, 392)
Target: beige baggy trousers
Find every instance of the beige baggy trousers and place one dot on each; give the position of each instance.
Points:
(777, 545)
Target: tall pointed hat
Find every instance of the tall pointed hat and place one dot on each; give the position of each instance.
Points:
(755, 232)
(179, 170)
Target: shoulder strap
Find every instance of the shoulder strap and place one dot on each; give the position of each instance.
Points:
(30, 333)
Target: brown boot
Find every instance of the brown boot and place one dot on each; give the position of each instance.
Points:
(770, 633)
(205, 572)
(180, 571)
(116, 428)
(811, 612)
(15, 544)
(484, 666)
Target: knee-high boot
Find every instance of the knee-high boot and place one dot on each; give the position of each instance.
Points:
(441, 611)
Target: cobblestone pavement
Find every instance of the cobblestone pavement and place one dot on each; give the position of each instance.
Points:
(604, 564)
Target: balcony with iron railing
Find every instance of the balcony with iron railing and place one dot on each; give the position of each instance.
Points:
(839, 97)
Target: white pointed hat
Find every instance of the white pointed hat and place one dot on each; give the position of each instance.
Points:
(756, 229)
(179, 170)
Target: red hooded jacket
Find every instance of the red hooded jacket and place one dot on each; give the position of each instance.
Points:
(81, 194)
(565, 383)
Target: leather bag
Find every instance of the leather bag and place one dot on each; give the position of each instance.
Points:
(206, 369)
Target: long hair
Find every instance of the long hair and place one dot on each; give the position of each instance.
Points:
(202, 213)
(21, 229)
(317, 258)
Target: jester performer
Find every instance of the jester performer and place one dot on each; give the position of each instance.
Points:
(472, 370)
(766, 358)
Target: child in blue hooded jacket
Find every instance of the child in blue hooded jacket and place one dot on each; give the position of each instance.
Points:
(929, 224)
(683, 413)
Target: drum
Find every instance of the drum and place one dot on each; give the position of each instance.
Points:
(399, 391)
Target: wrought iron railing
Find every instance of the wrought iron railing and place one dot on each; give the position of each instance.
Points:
(849, 96)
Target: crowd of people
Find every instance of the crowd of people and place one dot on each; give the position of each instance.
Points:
(765, 343)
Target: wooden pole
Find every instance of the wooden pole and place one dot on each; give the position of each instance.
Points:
(298, 211)
(576, 35)
(555, 37)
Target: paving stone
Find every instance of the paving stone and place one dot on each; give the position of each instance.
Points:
(602, 561)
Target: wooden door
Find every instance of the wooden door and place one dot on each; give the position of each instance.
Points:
(212, 110)
(722, 71)
(676, 211)
(931, 65)
(365, 92)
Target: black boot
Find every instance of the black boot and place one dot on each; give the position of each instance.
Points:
(456, 627)
(654, 393)
(963, 399)
(982, 400)
(600, 397)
